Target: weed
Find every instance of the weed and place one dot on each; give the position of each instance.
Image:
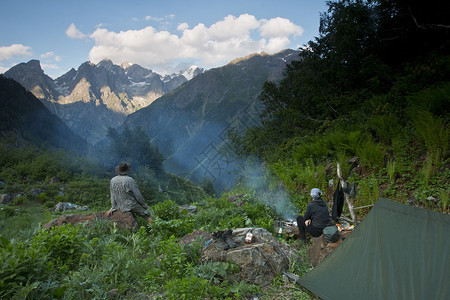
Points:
(391, 170)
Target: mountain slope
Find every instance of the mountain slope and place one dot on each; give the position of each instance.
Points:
(96, 97)
(190, 124)
(25, 117)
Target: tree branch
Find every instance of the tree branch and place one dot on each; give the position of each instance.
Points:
(346, 195)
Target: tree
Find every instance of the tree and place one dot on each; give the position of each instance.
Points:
(134, 146)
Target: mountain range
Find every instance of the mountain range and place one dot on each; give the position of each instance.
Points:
(97, 96)
(187, 115)
(24, 119)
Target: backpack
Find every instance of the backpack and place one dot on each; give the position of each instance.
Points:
(331, 234)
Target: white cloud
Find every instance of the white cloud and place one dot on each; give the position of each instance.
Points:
(49, 66)
(9, 52)
(211, 46)
(51, 55)
(279, 27)
(3, 69)
(73, 32)
(182, 26)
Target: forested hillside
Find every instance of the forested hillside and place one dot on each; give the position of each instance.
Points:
(374, 86)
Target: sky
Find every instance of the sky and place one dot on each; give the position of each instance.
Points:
(165, 36)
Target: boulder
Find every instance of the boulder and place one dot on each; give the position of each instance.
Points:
(5, 198)
(260, 262)
(62, 206)
(320, 248)
(197, 235)
(122, 219)
(34, 192)
(188, 209)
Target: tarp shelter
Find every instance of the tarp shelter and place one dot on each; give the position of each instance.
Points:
(396, 252)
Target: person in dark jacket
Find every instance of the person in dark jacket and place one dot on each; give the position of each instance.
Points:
(316, 216)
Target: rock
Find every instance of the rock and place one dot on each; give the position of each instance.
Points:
(5, 198)
(260, 262)
(432, 199)
(331, 183)
(291, 232)
(62, 206)
(320, 248)
(197, 235)
(123, 220)
(290, 278)
(34, 192)
(54, 180)
(354, 161)
(190, 209)
(329, 169)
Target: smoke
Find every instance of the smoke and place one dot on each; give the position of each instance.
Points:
(268, 189)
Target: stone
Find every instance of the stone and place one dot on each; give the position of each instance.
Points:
(62, 206)
(260, 262)
(54, 180)
(320, 248)
(197, 235)
(354, 161)
(190, 209)
(34, 192)
(122, 219)
(5, 198)
(432, 199)
(290, 278)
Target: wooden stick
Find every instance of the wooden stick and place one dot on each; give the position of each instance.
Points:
(346, 195)
(364, 206)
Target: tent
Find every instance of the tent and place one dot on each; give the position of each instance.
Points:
(396, 252)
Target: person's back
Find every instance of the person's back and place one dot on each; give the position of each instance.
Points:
(125, 194)
(318, 213)
(316, 216)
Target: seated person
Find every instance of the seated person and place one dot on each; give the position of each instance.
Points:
(125, 194)
(316, 216)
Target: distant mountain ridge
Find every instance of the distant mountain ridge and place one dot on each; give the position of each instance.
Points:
(190, 124)
(97, 96)
(24, 117)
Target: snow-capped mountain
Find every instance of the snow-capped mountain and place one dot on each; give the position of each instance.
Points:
(97, 96)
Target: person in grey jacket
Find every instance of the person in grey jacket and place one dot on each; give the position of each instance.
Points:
(125, 194)
(316, 216)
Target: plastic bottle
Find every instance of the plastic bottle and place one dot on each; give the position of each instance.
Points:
(280, 232)
(249, 238)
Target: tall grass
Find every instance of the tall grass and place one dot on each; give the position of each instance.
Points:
(390, 167)
(444, 200)
(427, 171)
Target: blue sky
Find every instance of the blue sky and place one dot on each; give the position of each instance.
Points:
(165, 35)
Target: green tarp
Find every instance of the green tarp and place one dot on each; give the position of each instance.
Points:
(397, 252)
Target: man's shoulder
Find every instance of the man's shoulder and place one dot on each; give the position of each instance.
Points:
(122, 178)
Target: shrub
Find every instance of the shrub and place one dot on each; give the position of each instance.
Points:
(63, 244)
(166, 210)
(188, 288)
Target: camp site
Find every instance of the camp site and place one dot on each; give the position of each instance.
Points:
(236, 150)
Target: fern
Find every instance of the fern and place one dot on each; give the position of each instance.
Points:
(433, 131)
